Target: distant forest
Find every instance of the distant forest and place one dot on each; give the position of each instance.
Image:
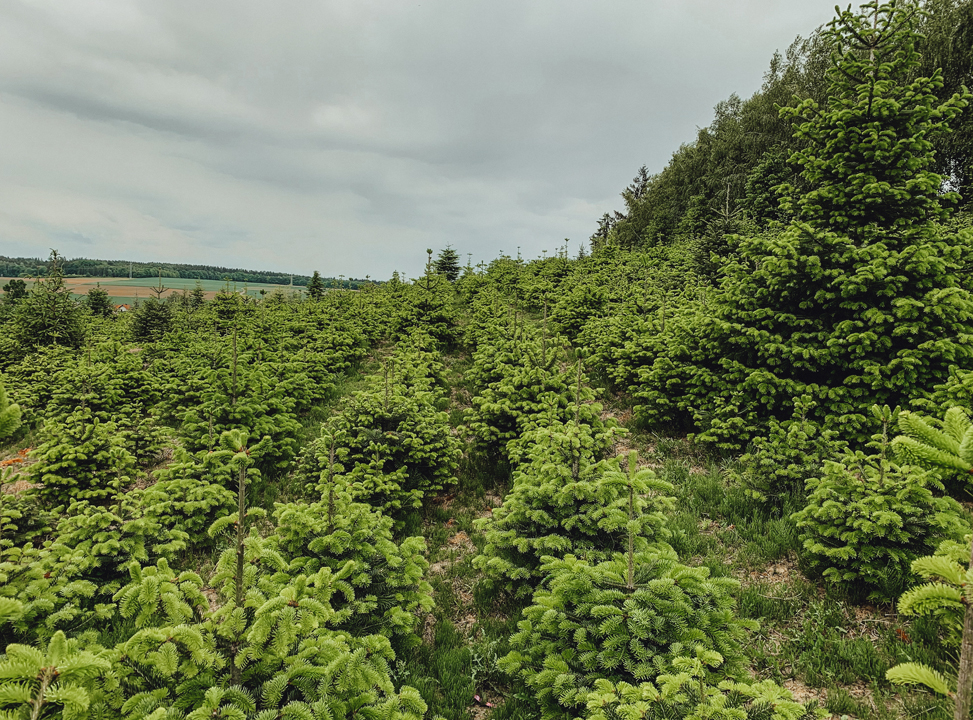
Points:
(84, 267)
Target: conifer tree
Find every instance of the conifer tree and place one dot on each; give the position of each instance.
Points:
(686, 694)
(631, 618)
(383, 589)
(860, 300)
(948, 595)
(9, 415)
(151, 320)
(447, 263)
(567, 503)
(867, 518)
(79, 458)
(315, 287)
(60, 681)
(197, 297)
(49, 315)
(99, 303)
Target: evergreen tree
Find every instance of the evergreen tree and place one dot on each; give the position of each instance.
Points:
(151, 320)
(315, 288)
(447, 263)
(867, 518)
(564, 503)
(99, 304)
(48, 315)
(860, 300)
(13, 292)
(58, 682)
(9, 415)
(626, 619)
(197, 298)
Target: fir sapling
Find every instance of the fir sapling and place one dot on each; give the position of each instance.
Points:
(867, 518)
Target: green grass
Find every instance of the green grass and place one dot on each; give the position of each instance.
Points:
(812, 634)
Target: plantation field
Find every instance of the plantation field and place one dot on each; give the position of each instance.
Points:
(677, 477)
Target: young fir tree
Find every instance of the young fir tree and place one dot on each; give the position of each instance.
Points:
(315, 287)
(260, 646)
(567, 503)
(79, 458)
(860, 300)
(447, 263)
(9, 415)
(49, 315)
(632, 618)
(60, 681)
(867, 518)
(151, 320)
(948, 590)
(382, 590)
(99, 303)
(197, 297)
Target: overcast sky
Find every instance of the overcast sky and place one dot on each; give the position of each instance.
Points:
(347, 136)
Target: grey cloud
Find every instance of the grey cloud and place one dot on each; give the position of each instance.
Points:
(350, 135)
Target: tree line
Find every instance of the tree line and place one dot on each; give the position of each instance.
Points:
(86, 267)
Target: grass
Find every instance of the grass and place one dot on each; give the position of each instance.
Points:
(813, 638)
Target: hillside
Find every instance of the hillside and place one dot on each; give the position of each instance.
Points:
(693, 476)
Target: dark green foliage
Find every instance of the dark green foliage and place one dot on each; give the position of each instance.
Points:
(793, 451)
(151, 320)
(13, 292)
(382, 590)
(624, 620)
(197, 298)
(315, 287)
(575, 308)
(80, 458)
(741, 157)
(523, 381)
(859, 300)
(867, 518)
(447, 263)
(48, 315)
(92, 267)
(99, 303)
(396, 446)
(32, 382)
(239, 392)
(189, 494)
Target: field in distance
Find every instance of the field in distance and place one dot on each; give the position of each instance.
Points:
(128, 290)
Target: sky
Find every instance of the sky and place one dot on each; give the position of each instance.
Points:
(347, 136)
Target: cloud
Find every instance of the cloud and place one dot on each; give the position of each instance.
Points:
(349, 135)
